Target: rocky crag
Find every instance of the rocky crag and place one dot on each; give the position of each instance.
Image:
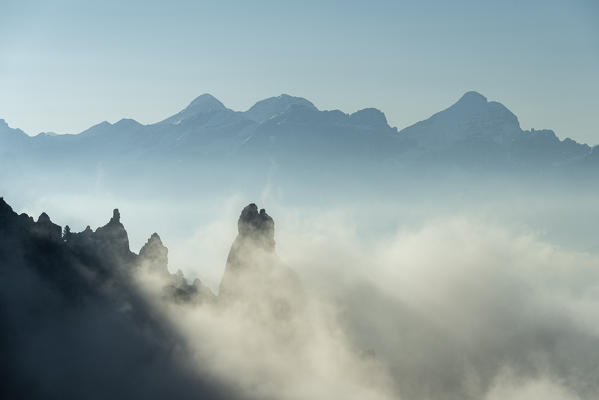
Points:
(75, 323)
(254, 273)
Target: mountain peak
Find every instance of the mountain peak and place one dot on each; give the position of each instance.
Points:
(116, 216)
(252, 259)
(43, 218)
(470, 102)
(127, 123)
(475, 105)
(472, 97)
(201, 105)
(154, 255)
(114, 236)
(257, 225)
(205, 103)
(44, 227)
(273, 106)
(472, 116)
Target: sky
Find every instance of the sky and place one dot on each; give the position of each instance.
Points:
(66, 65)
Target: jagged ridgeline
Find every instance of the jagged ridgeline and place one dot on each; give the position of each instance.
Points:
(75, 324)
(288, 141)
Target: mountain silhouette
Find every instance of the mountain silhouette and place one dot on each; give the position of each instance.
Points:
(206, 127)
(201, 105)
(486, 132)
(288, 140)
(472, 117)
(74, 324)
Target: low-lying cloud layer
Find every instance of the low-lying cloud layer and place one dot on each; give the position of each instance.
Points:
(451, 310)
(460, 309)
(454, 308)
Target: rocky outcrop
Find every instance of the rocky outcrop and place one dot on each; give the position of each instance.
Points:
(103, 253)
(254, 273)
(252, 251)
(45, 228)
(154, 256)
(256, 226)
(73, 302)
(153, 260)
(78, 296)
(112, 238)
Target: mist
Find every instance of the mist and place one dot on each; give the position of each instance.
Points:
(456, 304)
(461, 309)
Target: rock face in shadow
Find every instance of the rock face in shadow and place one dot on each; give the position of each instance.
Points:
(74, 324)
(45, 228)
(113, 238)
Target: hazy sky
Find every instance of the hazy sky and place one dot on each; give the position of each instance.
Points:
(65, 65)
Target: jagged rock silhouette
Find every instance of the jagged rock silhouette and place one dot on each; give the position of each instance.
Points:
(71, 303)
(254, 273)
(257, 226)
(45, 228)
(74, 324)
(252, 249)
(154, 255)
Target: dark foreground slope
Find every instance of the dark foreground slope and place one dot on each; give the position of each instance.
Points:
(74, 326)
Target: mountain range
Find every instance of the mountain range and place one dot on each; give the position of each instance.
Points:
(288, 138)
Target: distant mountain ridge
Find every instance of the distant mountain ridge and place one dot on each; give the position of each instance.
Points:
(473, 134)
(470, 103)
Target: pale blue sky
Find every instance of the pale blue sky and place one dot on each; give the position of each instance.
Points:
(66, 65)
